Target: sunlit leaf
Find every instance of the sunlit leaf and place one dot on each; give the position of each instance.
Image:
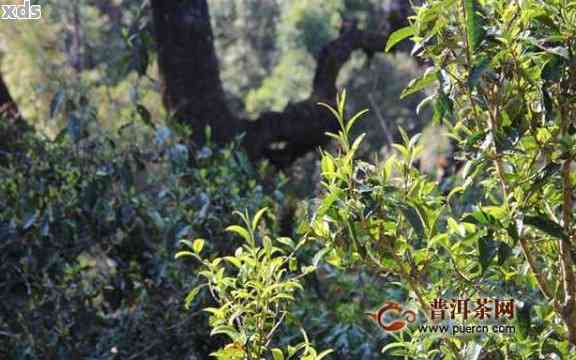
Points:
(399, 35)
(474, 24)
(428, 79)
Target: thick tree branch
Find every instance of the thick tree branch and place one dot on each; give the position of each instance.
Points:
(192, 88)
(301, 127)
(337, 53)
(189, 72)
(8, 107)
(12, 125)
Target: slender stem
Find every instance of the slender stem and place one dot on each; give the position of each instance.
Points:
(411, 283)
(565, 244)
(542, 285)
(566, 263)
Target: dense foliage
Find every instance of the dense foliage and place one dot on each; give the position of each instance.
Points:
(118, 239)
(89, 231)
(503, 229)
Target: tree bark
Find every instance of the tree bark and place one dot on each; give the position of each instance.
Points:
(12, 125)
(8, 107)
(189, 72)
(192, 89)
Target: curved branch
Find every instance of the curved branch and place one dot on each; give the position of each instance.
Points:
(301, 127)
(193, 91)
(337, 53)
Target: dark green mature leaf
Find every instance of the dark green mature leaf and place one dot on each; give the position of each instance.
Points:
(558, 50)
(474, 25)
(399, 35)
(487, 250)
(547, 104)
(504, 252)
(543, 176)
(523, 320)
(145, 116)
(443, 106)
(412, 214)
(61, 136)
(474, 138)
(478, 69)
(552, 70)
(479, 217)
(142, 60)
(546, 225)
(420, 83)
(513, 231)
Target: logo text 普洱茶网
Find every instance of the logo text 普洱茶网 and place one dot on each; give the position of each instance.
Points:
(25, 11)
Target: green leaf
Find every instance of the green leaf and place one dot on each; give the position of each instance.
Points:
(293, 264)
(546, 225)
(257, 218)
(476, 72)
(308, 269)
(355, 118)
(145, 116)
(240, 231)
(399, 35)
(442, 107)
(277, 354)
(412, 214)
(504, 252)
(324, 353)
(513, 231)
(523, 320)
(420, 83)
(198, 245)
(341, 100)
(286, 241)
(399, 346)
(327, 165)
(334, 112)
(479, 217)
(226, 330)
(553, 69)
(192, 295)
(487, 250)
(184, 254)
(543, 175)
(474, 25)
(319, 255)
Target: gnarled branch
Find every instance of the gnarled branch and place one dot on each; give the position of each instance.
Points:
(192, 88)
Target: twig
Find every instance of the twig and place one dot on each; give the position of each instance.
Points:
(537, 274)
(385, 128)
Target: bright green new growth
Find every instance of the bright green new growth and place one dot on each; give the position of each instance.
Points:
(502, 227)
(253, 289)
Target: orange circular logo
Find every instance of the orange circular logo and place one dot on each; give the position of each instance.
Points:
(406, 317)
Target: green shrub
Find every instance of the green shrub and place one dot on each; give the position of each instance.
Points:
(88, 232)
(503, 75)
(253, 289)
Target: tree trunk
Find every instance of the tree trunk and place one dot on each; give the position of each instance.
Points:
(12, 125)
(192, 89)
(191, 85)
